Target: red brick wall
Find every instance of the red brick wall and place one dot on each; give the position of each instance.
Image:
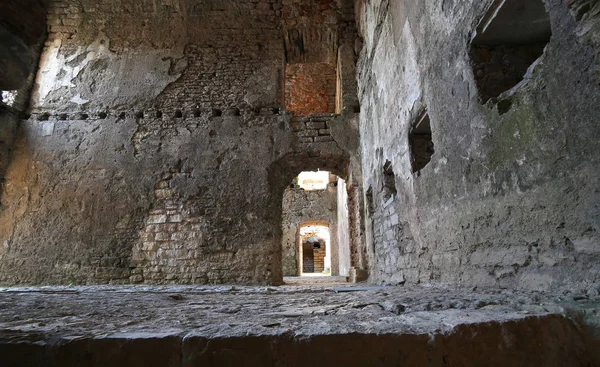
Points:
(310, 88)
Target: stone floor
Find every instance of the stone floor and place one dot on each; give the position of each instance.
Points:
(39, 325)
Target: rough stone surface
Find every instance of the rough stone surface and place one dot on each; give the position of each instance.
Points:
(509, 198)
(310, 88)
(157, 150)
(290, 326)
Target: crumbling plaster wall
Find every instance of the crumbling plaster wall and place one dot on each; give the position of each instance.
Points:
(174, 54)
(508, 200)
(156, 147)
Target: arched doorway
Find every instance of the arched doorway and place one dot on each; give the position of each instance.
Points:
(283, 180)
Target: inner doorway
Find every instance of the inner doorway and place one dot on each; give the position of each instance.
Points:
(314, 245)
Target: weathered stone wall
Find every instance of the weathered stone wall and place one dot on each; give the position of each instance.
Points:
(157, 149)
(8, 129)
(510, 197)
(299, 208)
(343, 228)
(176, 55)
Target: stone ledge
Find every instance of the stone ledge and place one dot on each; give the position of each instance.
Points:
(290, 326)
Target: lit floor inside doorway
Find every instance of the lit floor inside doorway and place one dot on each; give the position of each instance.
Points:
(315, 279)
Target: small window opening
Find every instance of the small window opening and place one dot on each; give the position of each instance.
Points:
(310, 181)
(178, 114)
(102, 115)
(389, 181)
(159, 114)
(139, 115)
(9, 97)
(197, 112)
(420, 142)
(217, 112)
(509, 39)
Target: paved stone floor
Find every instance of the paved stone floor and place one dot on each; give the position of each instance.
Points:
(101, 310)
(46, 314)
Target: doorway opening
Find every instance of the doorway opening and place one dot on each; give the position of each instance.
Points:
(316, 236)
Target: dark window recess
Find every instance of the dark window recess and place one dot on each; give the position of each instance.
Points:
(509, 39)
(421, 143)
(389, 181)
(370, 206)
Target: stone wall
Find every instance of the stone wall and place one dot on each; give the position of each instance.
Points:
(178, 55)
(157, 150)
(509, 198)
(302, 207)
(343, 228)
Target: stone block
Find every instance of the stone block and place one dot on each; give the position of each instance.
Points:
(316, 125)
(157, 219)
(177, 218)
(298, 126)
(306, 133)
(323, 138)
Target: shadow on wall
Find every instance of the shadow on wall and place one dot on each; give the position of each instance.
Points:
(15, 158)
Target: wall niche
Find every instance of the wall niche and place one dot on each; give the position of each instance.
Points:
(509, 39)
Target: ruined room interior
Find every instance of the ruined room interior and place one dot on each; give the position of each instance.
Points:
(299, 183)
